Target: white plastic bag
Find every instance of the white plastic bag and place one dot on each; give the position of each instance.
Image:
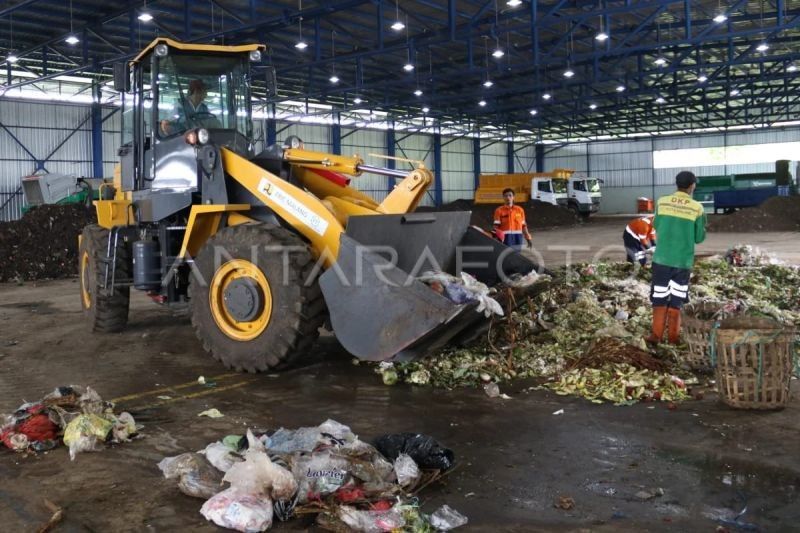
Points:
(257, 474)
(242, 511)
(446, 518)
(219, 455)
(406, 469)
(371, 521)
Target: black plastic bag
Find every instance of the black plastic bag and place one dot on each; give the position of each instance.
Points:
(425, 451)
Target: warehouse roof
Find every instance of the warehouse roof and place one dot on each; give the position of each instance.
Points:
(637, 67)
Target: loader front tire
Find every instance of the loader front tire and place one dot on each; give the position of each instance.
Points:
(105, 311)
(252, 302)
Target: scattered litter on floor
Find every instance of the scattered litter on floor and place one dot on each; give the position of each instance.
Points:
(559, 412)
(201, 380)
(211, 413)
(250, 481)
(564, 502)
(595, 315)
(75, 414)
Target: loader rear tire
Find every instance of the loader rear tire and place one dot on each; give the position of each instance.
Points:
(252, 302)
(105, 312)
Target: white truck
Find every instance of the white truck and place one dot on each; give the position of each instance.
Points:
(580, 194)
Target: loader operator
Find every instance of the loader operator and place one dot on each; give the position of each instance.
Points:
(680, 223)
(192, 110)
(509, 220)
(639, 239)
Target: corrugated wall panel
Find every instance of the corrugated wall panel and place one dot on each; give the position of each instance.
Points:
(420, 148)
(525, 158)
(493, 158)
(363, 143)
(457, 177)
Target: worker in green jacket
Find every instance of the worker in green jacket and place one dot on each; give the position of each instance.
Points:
(680, 223)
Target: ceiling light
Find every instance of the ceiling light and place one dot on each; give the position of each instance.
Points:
(762, 47)
(498, 53)
(482, 103)
(12, 58)
(791, 68)
(398, 26)
(72, 39)
(301, 45)
(602, 36)
(719, 19)
(569, 73)
(357, 100)
(660, 61)
(145, 17)
(334, 79)
(620, 88)
(408, 67)
(546, 96)
(592, 106)
(418, 92)
(734, 92)
(488, 83)
(426, 109)
(660, 100)
(514, 3)
(533, 112)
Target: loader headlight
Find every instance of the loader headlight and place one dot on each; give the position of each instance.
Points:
(255, 56)
(161, 50)
(202, 136)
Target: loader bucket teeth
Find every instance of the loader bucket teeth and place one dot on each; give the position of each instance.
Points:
(379, 310)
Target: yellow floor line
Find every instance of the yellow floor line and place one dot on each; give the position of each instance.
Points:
(208, 392)
(172, 388)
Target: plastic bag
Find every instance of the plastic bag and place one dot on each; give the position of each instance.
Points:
(306, 439)
(446, 518)
(124, 427)
(85, 432)
(197, 477)
(239, 510)
(222, 457)
(424, 450)
(463, 289)
(320, 474)
(258, 474)
(488, 305)
(371, 521)
(406, 470)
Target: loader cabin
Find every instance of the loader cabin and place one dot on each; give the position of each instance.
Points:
(173, 92)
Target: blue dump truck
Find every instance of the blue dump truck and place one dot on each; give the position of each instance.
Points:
(730, 200)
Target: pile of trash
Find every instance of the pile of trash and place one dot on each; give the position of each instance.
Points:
(462, 290)
(76, 415)
(622, 384)
(249, 481)
(43, 244)
(587, 304)
(745, 255)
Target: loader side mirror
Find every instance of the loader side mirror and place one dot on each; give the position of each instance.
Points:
(122, 77)
(272, 82)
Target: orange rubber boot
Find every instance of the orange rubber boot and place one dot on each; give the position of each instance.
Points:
(674, 325)
(659, 324)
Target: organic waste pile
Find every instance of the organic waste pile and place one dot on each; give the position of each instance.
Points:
(76, 415)
(537, 214)
(585, 333)
(327, 471)
(779, 213)
(43, 244)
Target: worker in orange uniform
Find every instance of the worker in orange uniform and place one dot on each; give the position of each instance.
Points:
(639, 239)
(510, 220)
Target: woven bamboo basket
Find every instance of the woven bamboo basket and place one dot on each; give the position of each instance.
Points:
(699, 321)
(755, 358)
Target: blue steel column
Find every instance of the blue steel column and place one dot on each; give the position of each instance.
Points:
(272, 132)
(476, 160)
(97, 133)
(336, 135)
(539, 157)
(390, 151)
(510, 158)
(437, 169)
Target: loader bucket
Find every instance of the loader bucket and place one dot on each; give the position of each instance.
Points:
(380, 311)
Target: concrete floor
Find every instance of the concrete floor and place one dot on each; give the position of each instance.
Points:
(515, 457)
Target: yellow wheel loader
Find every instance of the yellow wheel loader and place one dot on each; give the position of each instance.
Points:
(265, 248)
